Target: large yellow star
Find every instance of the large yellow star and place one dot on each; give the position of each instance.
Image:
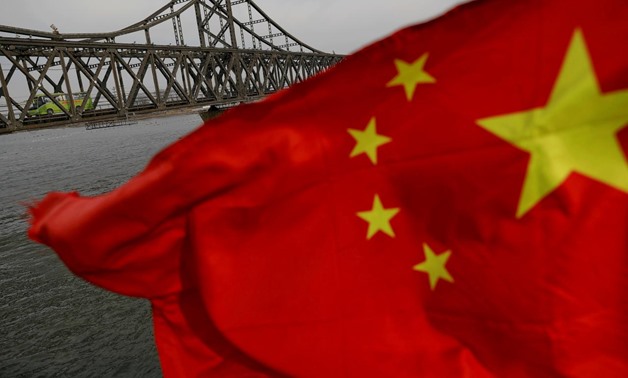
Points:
(575, 132)
(409, 75)
(434, 266)
(379, 219)
(368, 141)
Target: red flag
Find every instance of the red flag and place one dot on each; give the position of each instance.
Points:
(450, 201)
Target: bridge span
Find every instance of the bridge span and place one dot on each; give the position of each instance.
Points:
(189, 53)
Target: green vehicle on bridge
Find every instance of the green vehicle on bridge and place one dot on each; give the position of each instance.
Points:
(43, 105)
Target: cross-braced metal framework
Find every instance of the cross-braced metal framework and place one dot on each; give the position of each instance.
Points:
(52, 77)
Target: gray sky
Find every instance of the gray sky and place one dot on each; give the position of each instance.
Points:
(329, 25)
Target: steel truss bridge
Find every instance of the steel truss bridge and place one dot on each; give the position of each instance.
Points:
(230, 52)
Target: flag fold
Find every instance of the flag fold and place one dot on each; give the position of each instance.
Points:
(451, 201)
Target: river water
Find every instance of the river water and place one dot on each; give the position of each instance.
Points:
(53, 324)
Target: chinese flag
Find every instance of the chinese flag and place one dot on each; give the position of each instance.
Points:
(449, 202)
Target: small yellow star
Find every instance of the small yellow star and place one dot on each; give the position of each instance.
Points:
(576, 131)
(434, 266)
(379, 219)
(411, 74)
(368, 141)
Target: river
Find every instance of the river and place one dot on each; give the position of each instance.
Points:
(53, 324)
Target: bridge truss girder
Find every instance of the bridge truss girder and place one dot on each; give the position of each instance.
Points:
(241, 55)
(125, 78)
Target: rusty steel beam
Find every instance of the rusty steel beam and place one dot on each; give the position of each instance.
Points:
(124, 78)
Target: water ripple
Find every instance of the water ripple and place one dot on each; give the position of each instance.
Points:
(54, 324)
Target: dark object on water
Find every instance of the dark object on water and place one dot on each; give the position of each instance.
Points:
(210, 113)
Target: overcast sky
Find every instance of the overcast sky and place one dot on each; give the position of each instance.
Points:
(342, 26)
